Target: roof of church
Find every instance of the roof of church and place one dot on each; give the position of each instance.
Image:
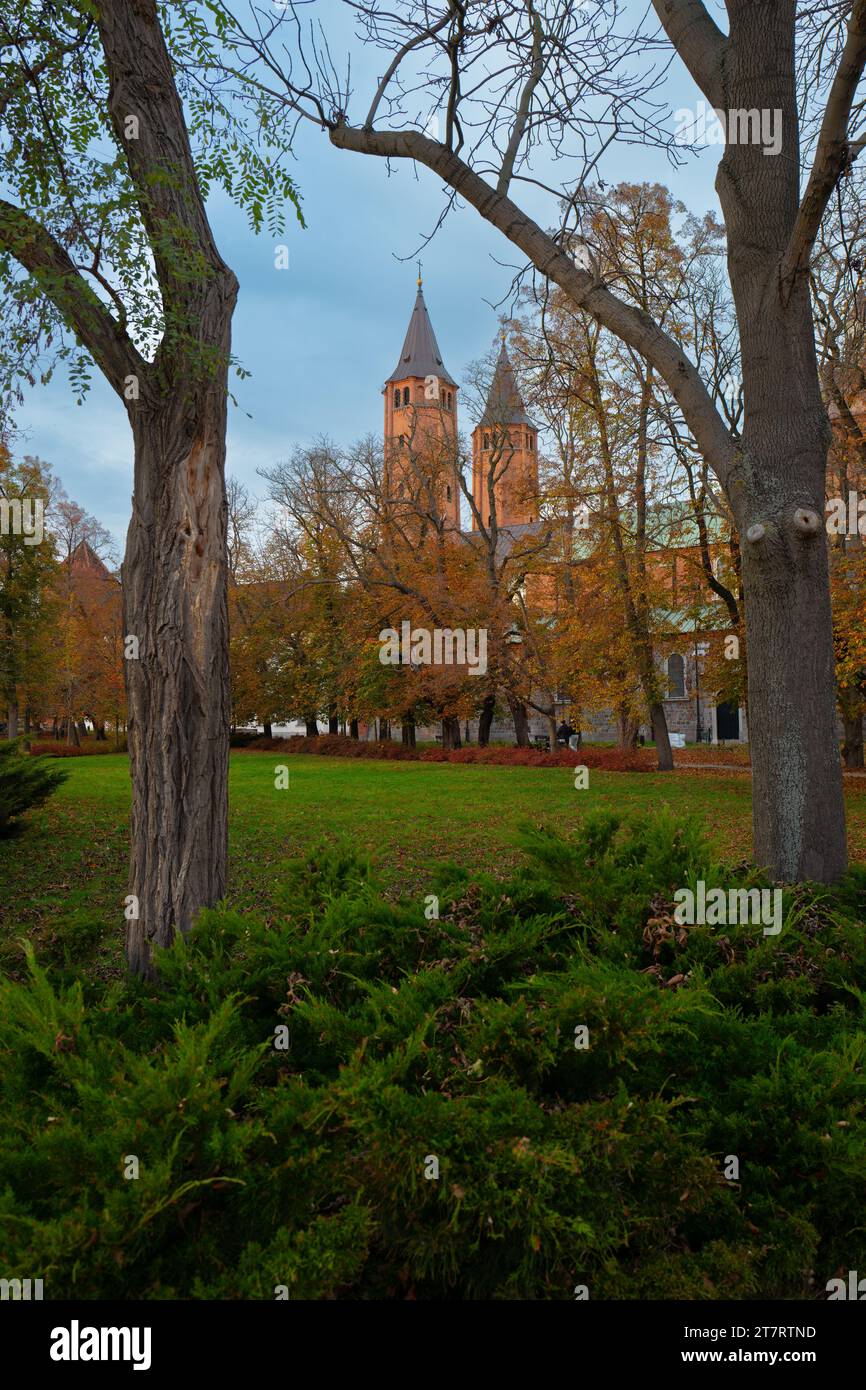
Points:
(84, 557)
(420, 355)
(504, 401)
(509, 537)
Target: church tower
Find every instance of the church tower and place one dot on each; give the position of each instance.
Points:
(421, 417)
(505, 442)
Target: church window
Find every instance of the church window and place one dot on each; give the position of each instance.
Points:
(487, 441)
(405, 395)
(397, 397)
(676, 677)
(448, 492)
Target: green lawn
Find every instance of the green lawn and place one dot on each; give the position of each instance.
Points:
(63, 880)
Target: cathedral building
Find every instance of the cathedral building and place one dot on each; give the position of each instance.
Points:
(421, 417)
(505, 451)
(421, 431)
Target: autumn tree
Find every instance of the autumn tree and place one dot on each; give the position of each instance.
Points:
(28, 570)
(838, 280)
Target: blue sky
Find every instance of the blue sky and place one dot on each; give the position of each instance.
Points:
(321, 337)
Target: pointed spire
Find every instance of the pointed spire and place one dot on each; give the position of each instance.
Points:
(420, 355)
(504, 401)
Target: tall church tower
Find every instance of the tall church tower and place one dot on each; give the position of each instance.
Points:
(421, 417)
(505, 442)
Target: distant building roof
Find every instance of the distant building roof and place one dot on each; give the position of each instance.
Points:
(420, 355)
(673, 525)
(84, 559)
(697, 618)
(509, 538)
(504, 401)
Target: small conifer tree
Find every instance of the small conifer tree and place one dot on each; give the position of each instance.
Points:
(24, 782)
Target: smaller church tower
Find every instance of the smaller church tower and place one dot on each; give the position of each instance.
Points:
(421, 416)
(505, 443)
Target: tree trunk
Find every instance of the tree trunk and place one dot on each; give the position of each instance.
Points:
(12, 725)
(384, 728)
(175, 603)
(521, 723)
(333, 722)
(268, 729)
(658, 720)
(312, 727)
(450, 732)
(353, 728)
(99, 726)
(407, 731)
(852, 750)
(485, 722)
(551, 725)
(629, 728)
(776, 488)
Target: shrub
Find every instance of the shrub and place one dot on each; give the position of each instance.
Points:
(55, 750)
(242, 738)
(341, 746)
(450, 1041)
(24, 783)
(87, 749)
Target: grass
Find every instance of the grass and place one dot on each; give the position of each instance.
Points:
(63, 880)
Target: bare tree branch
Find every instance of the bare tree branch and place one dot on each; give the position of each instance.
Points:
(833, 155)
(699, 42)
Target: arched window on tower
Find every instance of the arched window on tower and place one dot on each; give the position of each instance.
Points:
(405, 395)
(397, 397)
(487, 441)
(676, 677)
(448, 493)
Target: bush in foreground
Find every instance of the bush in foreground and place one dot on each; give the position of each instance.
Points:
(431, 1129)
